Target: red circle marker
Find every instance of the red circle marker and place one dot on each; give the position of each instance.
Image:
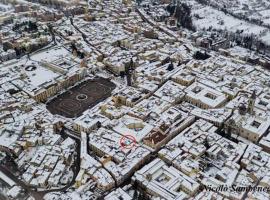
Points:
(128, 142)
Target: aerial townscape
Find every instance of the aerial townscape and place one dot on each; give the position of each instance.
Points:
(134, 99)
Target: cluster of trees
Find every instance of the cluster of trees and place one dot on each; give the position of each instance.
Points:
(239, 38)
(246, 41)
(20, 51)
(76, 51)
(241, 16)
(201, 56)
(139, 195)
(68, 32)
(139, 2)
(249, 41)
(182, 12)
(28, 26)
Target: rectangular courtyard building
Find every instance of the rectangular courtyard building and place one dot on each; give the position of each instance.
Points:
(205, 97)
(165, 182)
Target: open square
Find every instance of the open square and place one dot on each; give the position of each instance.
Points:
(81, 97)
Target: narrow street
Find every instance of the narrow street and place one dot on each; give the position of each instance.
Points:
(85, 37)
(38, 195)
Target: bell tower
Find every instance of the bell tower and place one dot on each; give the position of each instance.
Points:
(251, 103)
(129, 72)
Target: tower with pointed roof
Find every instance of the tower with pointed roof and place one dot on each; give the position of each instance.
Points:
(129, 72)
(251, 102)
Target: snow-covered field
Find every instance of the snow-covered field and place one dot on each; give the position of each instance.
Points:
(252, 9)
(206, 17)
(5, 8)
